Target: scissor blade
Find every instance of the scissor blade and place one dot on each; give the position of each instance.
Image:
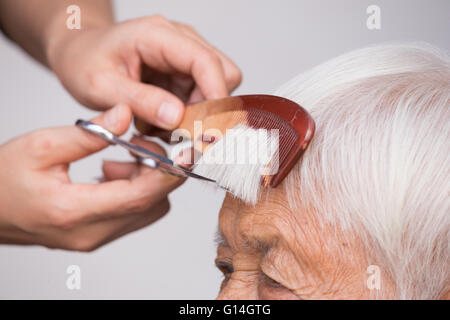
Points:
(142, 152)
(161, 162)
(194, 175)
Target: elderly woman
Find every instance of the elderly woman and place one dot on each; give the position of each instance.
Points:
(365, 213)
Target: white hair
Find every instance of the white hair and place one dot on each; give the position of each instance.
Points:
(379, 162)
(237, 161)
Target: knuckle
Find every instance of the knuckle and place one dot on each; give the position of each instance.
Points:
(158, 19)
(209, 58)
(144, 198)
(60, 214)
(61, 220)
(139, 94)
(139, 205)
(214, 58)
(39, 142)
(96, 82)
(82, 244)
(160, 210)
(165, 208)
(235, 76)
(188, 28)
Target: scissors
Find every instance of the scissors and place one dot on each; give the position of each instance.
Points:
(144, 156)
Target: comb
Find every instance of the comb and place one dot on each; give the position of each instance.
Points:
(295, 125)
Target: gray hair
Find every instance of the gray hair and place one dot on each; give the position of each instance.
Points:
(379, 162)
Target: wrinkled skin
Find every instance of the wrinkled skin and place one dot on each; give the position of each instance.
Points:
(270, 252)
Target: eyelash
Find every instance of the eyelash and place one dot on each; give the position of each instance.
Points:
(227, 269)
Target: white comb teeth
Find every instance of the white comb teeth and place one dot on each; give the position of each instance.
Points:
(238, 160)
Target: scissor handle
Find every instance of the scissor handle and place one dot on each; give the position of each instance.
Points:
(113, 139)
(97, 129)
(144, 156)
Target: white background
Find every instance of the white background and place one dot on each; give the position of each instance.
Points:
(271, 41)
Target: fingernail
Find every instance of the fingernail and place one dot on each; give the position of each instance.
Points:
(111, 118)
(169, 113)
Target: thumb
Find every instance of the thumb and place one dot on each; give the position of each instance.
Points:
(148, 102)
(72, 143)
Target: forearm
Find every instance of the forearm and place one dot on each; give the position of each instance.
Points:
(37, 25)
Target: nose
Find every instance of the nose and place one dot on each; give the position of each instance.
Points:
(240, 287)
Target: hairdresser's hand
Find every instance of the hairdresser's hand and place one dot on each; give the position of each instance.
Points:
(104, 66)
(40, 205)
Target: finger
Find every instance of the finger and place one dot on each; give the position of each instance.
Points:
(194, 59)
(141, 141)
(132, 188)
(196, 96)
(66, 144)
(114, 170)
(118, 197)
(184, 158)
(233, 74)
(128, 224)
(187, 157)
(148, 102)
(178, 84)
(94, 234)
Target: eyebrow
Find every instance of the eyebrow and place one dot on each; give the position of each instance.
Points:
(220, 240)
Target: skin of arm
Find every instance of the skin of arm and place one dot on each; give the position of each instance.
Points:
(136, 66)
(136, 62)
(40, 205)
(42, 22)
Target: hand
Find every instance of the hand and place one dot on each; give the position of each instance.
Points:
(39, 204)
(104, 66)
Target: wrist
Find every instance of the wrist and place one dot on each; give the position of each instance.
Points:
(58, 36)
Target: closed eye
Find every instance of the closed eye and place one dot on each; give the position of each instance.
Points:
(227, 270)
(225, 267)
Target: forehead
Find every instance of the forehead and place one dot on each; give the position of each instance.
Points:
(270, 220)
(294, 243)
